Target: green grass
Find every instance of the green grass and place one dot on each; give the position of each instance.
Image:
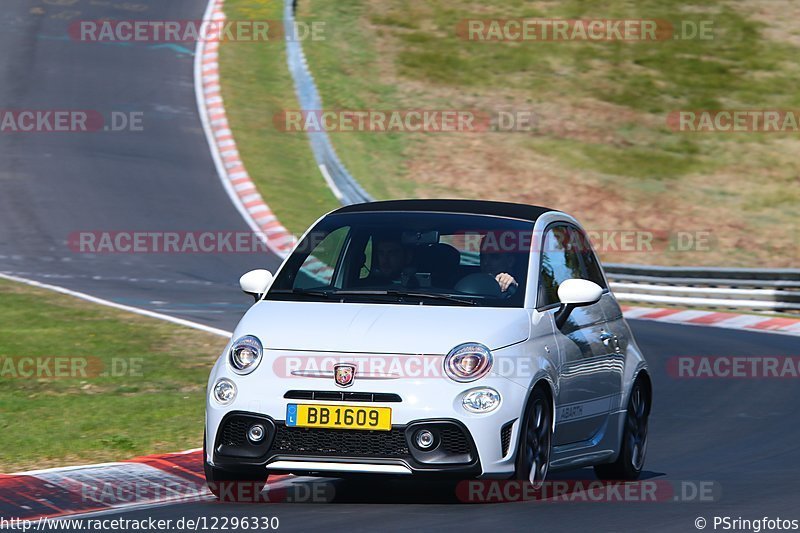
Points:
(344, 69)
(738, 67)
(255, 86)
(604, 105)
(156, 406)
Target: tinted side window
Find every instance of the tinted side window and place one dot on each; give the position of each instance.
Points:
(318, 268)
(591, 266)
(560, 262)
(366, 268)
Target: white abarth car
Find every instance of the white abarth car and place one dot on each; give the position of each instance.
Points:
(446, 337)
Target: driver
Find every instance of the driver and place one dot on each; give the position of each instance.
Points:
(394, 262)
(498, 265)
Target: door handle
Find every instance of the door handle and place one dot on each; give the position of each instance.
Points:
(610, 340)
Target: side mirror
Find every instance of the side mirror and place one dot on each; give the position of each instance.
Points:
(256, 282)
(576, 293)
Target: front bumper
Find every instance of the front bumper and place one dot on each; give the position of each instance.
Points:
(317, 450)
(266, 393)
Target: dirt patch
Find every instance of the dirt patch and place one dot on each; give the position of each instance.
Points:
(743, 190)
(467, 167)
(778, 16)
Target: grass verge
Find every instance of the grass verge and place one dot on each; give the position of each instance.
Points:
(255, 86)
(56, 406)
(601, 148)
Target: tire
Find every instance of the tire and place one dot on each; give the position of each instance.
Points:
(535, 440)
(233, 486)
(629, 464)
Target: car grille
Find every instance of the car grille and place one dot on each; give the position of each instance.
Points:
(454, 441)
(340, 442)
(505, 437)
(341, 396)
(234, 432)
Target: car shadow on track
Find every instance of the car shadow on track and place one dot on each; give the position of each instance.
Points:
(383, 490)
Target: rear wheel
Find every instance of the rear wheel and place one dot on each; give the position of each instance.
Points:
(536, 436)
(633, 449)
(239, 486)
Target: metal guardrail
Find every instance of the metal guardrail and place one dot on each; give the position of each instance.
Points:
(344, 186)
(728, 288)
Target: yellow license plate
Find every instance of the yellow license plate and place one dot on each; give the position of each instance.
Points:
(339, 417)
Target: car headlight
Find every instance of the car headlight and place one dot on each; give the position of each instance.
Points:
(246, 354)
(224, 391)
(468, 362)
(481, 400)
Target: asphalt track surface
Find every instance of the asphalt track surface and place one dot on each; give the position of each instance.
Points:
(740, 436)
(161, 179)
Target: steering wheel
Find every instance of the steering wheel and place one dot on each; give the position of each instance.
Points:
(480, 284)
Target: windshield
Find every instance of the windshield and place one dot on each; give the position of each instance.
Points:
(409, 257)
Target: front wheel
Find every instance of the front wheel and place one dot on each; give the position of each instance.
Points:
(629, 464)
(536, 436)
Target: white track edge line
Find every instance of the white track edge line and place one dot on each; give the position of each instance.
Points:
(719, 326)
(115, 305)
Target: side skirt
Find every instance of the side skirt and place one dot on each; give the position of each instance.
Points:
(602, 448)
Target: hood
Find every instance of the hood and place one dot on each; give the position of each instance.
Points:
(381, 328)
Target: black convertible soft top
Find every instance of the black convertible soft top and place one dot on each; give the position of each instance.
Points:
(474, 207)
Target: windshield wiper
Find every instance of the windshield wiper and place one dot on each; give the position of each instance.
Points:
(337, 294)
(408, 294)
(306, 292)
